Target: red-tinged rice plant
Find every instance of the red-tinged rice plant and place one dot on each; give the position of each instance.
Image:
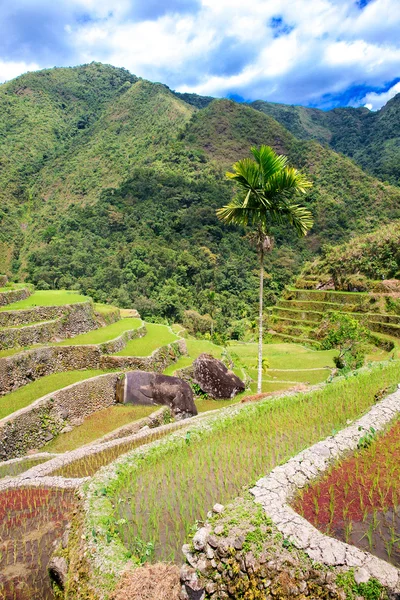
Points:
(357, 500)
(31, 519)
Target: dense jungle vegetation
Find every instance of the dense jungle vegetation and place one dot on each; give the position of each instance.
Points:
(371, 139)
(109, 185)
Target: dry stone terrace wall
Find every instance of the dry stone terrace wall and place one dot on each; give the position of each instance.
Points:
(14, 296)
(33, 426)
(25, 367)
(11, 318)
(46, 470)
(273, 493)
(76, 318)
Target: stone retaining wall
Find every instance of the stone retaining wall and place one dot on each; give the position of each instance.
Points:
(76, 318)
(25, 367)
(14, 296)
(159, 417)
(324, 555)
(387, 328)
(33, 426)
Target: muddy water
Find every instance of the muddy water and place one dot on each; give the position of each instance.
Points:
(378, 534)
(31, 521)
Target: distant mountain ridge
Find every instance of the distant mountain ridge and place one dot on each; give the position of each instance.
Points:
(109, 183)
(371, 139)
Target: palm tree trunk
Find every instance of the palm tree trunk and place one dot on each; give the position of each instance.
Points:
(260, 323)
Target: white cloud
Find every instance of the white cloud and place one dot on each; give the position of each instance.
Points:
(11, 69)
(327, 46)
(374, 101)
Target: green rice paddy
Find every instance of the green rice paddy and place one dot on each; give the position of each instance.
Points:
(157, 336)
(160, 497)
(290, 364)
(103, 334)
(47, 298)
(98, 424)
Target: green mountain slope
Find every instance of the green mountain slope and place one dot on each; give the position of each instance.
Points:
(135, 127)
(122, 204)
(41, 115)
(344, 199)
(368, 262)
(372, 139)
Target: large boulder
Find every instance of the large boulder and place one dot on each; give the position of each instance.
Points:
(214, 378)
(146, 388)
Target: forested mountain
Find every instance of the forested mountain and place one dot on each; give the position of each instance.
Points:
(109, 184)
(371, 139)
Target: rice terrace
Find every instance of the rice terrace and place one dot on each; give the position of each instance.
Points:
(199, 344)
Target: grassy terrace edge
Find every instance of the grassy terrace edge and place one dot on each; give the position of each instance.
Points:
(107, 555)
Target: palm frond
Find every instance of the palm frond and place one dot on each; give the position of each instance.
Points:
(285, 183)
(268, 184)
(235, 213)
(246, 174)
(299, 217)
(269, 161)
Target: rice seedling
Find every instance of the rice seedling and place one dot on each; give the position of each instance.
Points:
(357, 500)
(15, 468)
(97, 425)
(88, 465)
(174, 487)
(30, 521)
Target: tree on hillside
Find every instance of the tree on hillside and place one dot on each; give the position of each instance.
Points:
(348, 335)
(267, 186)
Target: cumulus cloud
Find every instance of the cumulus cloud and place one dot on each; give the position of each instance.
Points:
(11, 69)
(296, 51)
(374, 100)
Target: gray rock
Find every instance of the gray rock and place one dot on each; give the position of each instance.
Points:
(58, 570)
(214, 378)
(146, 388)
(200, 538)
(361, 576)
(218, 508)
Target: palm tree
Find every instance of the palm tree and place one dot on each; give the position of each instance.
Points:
(266, 185)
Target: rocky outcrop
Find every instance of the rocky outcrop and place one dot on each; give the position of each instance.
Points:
(142, 387)
(58, 570)
(214, 378)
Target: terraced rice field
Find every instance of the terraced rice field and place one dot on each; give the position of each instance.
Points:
(214, 467)
(98, 424)
(298, 314)
(357, 501)
(103, 334)
(24, 396)
(157, 336)
(47, 298)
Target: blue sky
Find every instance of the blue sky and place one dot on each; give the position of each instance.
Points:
(322, 53)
